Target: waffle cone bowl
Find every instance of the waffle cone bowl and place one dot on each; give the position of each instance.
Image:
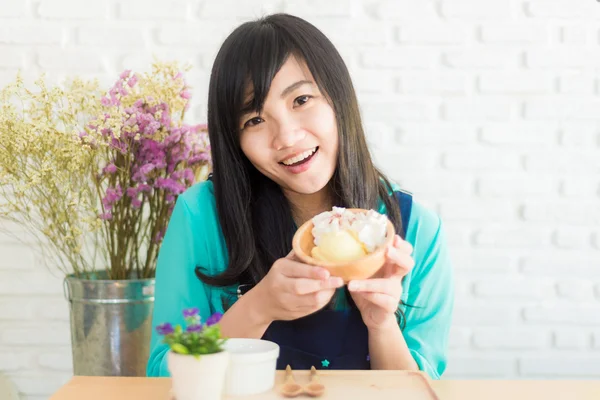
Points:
(361, 268)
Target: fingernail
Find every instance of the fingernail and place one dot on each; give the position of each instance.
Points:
(353, 286)
(336, 281)
(323, 273)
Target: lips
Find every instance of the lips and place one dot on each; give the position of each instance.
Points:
(302, 165)
(299, 157)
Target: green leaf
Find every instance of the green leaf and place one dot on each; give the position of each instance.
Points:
(179, 348)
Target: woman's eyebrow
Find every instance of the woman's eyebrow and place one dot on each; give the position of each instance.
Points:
(248, 108)
(294, 86)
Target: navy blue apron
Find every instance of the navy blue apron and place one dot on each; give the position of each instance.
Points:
(328, 339)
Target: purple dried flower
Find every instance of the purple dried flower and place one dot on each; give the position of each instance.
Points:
(106, 216)
(131, 121)
(199, 157)
(170, 184)
(132, 81)
(160, 164)
(191, 312)
(151, 128)
(136, 203)
(214, 319)
(188, 175)
(165, 329)
(125, 74)
(185, 94)
(105, 101)
(173, 138)
(141, 174)
(110, 169)
(119, 145)
(112, 196)
(159, 236)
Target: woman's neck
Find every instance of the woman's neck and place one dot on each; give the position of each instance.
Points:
(306, 206)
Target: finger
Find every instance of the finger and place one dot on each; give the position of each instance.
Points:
(291, 255)
(386, 302)
(302, 286)
(295, 269)
(315, 300)
(386, 286)
(402, 245)
(403, 260)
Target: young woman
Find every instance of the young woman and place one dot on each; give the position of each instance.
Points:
(287, 144)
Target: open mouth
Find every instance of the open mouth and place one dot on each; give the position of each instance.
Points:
(301, 158)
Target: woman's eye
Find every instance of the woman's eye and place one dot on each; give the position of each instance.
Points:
(253, 121)
(301, 100)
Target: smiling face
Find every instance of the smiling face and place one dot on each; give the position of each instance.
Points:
(294, 140)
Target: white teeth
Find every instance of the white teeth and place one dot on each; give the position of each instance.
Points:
(299, 157)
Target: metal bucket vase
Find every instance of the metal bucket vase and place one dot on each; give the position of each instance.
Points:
(111, 324)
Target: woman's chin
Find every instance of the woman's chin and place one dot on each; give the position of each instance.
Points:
(307, 186)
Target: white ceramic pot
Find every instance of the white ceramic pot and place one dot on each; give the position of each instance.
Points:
(252, 366)
(200, 378)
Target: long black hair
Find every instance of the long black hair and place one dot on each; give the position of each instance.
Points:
(255, 216)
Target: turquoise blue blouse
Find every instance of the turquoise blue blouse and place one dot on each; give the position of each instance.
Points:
(194, 237)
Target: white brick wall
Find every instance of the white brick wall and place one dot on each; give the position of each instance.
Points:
(486, 109)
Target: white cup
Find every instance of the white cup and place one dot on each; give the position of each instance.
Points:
(252, 366)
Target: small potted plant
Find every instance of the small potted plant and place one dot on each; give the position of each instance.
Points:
(197, 359)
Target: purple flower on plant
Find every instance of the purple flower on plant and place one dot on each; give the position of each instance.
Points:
(106, 216)
(194, 328)
(191, 312)
(214, 319)
(165, 329)
(125, 74)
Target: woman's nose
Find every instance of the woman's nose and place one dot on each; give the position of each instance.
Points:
(288, 135)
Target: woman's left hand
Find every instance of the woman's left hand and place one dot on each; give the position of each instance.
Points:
(378, 298)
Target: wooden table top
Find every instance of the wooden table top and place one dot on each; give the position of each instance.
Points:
(341, 384)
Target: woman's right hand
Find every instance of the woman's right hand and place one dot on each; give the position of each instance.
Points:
(292, 289)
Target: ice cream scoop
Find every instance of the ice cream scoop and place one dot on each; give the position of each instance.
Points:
(338, 246)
